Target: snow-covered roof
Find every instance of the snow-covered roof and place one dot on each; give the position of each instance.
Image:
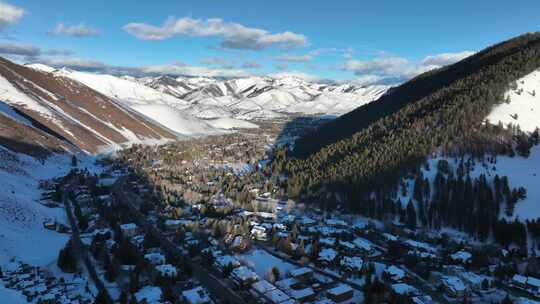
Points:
(243, 273)
(395, 273)
(404, 289)
(363, 244)
(454, 283)
(167, 270)
(519, 279)
(263, 286)
(327, 254)
(152, 294)
(340, 289)
(277, 296)
(300, 271)
(301, 293)
(128, 226)
(354, 262)
(197, 295)
(462, 256)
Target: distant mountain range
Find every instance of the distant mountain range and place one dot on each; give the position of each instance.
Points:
(44, 109)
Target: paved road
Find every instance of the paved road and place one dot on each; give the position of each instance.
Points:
(217, 288)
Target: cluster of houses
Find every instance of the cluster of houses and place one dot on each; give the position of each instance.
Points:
(42, 288)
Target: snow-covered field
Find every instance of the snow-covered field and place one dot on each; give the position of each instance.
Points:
(524, 106)
(262, 262)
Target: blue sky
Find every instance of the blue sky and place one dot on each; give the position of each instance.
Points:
(341, 40)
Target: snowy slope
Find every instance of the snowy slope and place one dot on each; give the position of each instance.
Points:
(521, 172)
(523, 108)
(21, 216)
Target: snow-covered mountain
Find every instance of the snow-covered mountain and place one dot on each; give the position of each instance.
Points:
(41, 112)
(201, 105)
(265, 97)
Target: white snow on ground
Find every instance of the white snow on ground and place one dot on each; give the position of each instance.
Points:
(521, 172)
(11, 296)
(261, 262)
(524, 106)
(175, 120)
(21, 216)
(128, 91)
(41, 67)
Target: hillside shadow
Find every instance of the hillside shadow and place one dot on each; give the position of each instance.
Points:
(24, 146)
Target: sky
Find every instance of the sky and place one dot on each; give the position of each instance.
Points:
(362, 41)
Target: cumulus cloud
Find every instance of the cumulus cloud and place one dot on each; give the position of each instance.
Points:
(251, 64)
(214, 61)
(9, 14)
(233, 35)
(9, 48)
(181, 69)
(386, 69)
(294, 58)
(446, 58)
(73, 63)
(79, 31)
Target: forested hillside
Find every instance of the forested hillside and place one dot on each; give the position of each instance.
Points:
(442, 111)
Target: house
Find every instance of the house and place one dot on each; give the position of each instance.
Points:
(327, 255)
(259, 233)
(244, 276)
(394, 273)
(519, 281)
(404, 289)
(197, 295)
(462, 256)
(223, 261)
(340, 293)
(533, 285)
(302, 274)
(303, 295)
(276, 296)
(258, 289)
(166, 271)
(129, 230)
(454, 286)
(148, 294)
(154, 258)
(354, 263)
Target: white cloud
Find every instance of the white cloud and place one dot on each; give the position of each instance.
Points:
(297, 74)
(72, 62)
(9, 48)
(9, 14)
(446, 58)
(181, 69)
(294, 58)
(251, 64)
(79, 31)
(233, 35)
(386, 69)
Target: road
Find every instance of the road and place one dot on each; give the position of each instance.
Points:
(217, 288)
(79, 247)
